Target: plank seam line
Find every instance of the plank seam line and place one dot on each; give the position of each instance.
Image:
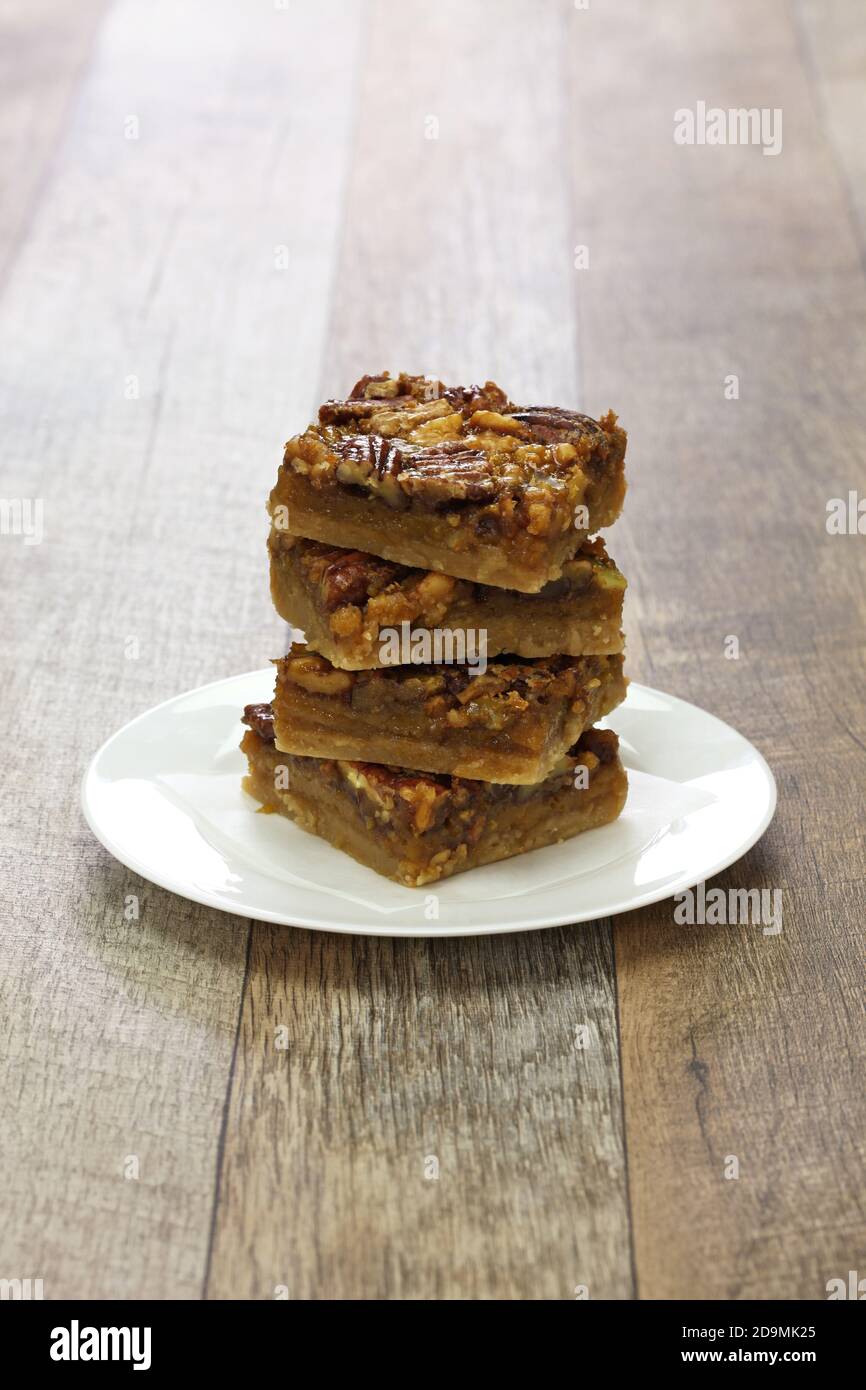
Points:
(626, 1173)
(812, 74)
(571, 210)
(221, 1141)
(354, 106)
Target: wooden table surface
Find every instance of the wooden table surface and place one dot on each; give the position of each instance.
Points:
(214, 215)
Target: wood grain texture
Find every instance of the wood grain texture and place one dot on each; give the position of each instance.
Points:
(706, 262)
(419, 1120)
(148, 367)
(44, 47)
(456, 253)
(832, 36)
(463, 1050)
(313, 192)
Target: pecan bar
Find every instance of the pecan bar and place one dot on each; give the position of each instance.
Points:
(416, 827)
(452, 478)
(510, 724)
(349, 604)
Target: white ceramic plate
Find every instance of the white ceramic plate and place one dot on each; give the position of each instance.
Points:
(164, 796)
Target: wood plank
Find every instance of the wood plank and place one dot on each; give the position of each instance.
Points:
(44, 48)
(151, 352)
(833, 41)
(704, 262)
(152, 262)
(456, 254)
(397, 1055)
(456, 260)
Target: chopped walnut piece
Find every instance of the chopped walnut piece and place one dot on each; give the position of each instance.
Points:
(492, 420)
(317, 675)
(539, 519)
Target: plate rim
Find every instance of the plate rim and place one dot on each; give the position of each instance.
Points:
(307, 923)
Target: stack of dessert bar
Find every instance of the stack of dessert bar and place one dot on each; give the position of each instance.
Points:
(463, 633)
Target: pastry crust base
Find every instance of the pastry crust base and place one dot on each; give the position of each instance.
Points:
(439, 541)
(578, 619)
(385, 717)
(321, 800)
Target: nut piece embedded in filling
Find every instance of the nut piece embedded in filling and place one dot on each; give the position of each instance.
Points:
(418, 827)
(421, 801)
(347, 598)
(454, 696)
